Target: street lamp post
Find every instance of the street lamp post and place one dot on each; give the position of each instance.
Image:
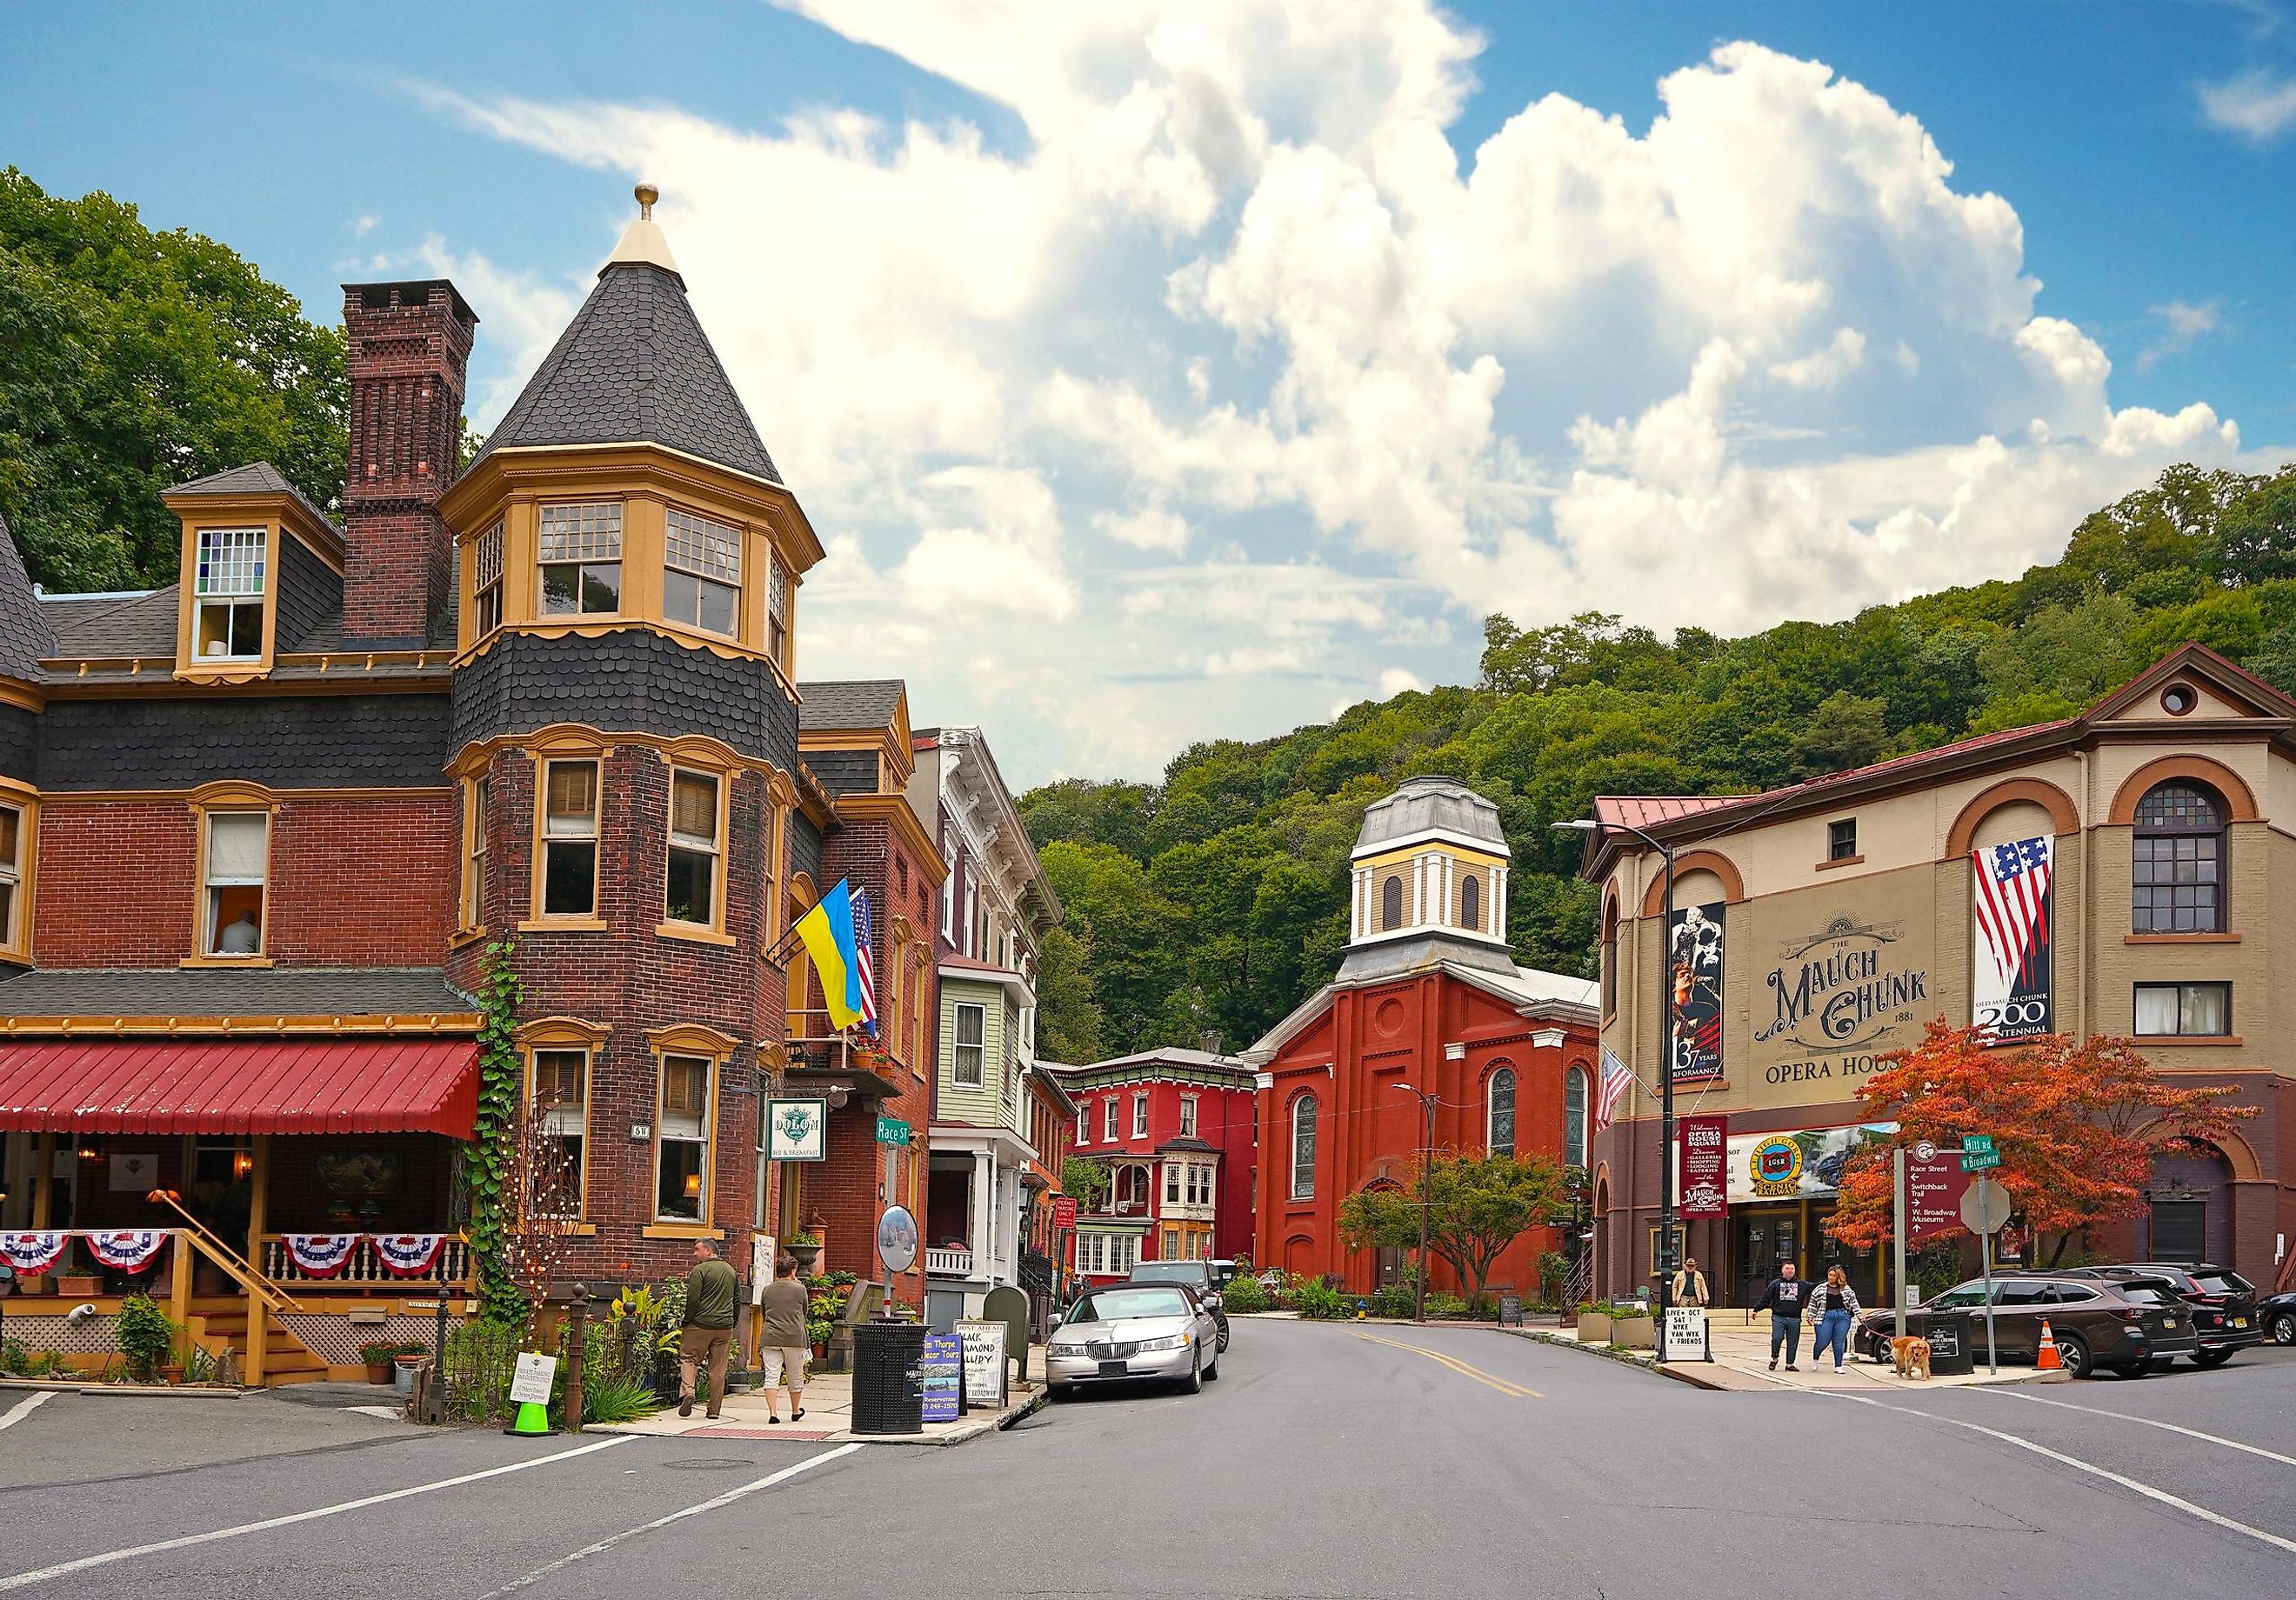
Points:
(1426, 1197)
(1666, 1066)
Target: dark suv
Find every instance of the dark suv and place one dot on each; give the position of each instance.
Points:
(2124, 1326)
(2224, 1314)
(1197, 1275)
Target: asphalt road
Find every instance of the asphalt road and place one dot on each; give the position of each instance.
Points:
(1326, 1461)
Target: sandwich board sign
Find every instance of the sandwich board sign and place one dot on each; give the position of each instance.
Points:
(942, 1371)
(984, 1362)
(1686, 1332)
(531, 1377)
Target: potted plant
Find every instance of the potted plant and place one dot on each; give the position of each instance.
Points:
(79, 1285)
(406, 1359)
(1594, 1324)
(1633, 1326)
(380, 1355)
(806, 1250)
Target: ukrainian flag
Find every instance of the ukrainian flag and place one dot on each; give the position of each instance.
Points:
(827, 931)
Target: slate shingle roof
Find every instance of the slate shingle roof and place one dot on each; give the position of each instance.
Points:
(25, 635)
(231, 992)
(256, 478)
(634, 365)
(849, 703)
(115, 625)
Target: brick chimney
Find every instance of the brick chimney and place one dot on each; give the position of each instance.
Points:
(409, 350)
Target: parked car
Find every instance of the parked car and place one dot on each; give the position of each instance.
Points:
(2224, 1314)
(1197, 1275)
(1132, 1331)
(2275, 1314)
(2128, 1326)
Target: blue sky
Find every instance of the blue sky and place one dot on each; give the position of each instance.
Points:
(1237, 403)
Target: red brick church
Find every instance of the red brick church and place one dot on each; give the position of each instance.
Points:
(1428, 999)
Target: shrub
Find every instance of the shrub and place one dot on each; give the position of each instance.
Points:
(376, 1351)
(13, 1356)
(1319, 1301)
(1395, 1299)
(1445, 1306)
(146, 1337)
(615, 1398)
(1243, 1294)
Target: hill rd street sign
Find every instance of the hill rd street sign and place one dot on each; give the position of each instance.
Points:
(1977, 1152)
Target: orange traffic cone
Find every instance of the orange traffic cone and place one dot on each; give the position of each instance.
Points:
(2046, 1359)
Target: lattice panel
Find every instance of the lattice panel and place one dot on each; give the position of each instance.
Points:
(41, 1331)
(336, 1340)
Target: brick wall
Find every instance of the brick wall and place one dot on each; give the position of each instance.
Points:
(409, 346)
(353, 882)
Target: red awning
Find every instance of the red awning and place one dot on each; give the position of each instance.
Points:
(240, 1086)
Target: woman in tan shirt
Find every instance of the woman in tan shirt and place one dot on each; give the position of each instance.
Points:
(781, 1339)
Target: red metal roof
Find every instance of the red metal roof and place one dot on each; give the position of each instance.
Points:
(240, 1086)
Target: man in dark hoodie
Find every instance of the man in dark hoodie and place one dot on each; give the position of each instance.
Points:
(1783, 1298)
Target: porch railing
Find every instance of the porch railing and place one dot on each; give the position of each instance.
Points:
(364, 1268)
(949, 1263)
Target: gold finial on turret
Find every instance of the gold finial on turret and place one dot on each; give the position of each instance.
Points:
(648, 195)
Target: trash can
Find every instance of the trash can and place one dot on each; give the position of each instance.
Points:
(1954, 1339)
(889, 1390)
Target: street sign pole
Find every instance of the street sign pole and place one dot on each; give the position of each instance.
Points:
(1898, 1215)
(1985, 1240)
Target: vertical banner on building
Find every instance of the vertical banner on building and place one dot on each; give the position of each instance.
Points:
(2009, 990)
(1705, 1166)
(1694, 983)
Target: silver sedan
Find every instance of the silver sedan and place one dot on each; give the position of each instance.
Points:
(1133, 1331)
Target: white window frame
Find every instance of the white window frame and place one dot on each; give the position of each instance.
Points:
(1574, 1123)
(233, 587)
(1188, 1116)
(1109, 1113)
(979, 1078)
(1140, 1113)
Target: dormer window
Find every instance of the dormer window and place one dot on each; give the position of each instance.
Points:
(486, 579)
(228, 591)
(702, 575)
(581, 559)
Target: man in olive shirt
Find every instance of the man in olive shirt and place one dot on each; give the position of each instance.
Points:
(711, 1292)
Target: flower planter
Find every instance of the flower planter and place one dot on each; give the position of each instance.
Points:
(1635, 1333)
(79, 1285)
(379, 1372)
(1595, 1327)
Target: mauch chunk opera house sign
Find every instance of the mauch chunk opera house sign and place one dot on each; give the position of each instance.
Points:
(1840, 995)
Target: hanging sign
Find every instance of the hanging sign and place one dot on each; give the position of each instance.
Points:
(127, 1249)
(1694, 985)
(531, 1377)
(408, 1255)
(1705, 1162)
(984, 1362)
(320, 1255)
(942, 1370)
(796, 1130)
(2009, 990)
(34, 1252)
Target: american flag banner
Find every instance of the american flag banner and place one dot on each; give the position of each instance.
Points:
(2009, 902)
(1616, 1081)
(862, 938)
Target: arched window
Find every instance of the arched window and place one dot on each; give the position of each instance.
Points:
(1471, 903)
(1498, 1112)
(2178, 872)
(1390, 903)
(1574, 1118)
(1303, 1147)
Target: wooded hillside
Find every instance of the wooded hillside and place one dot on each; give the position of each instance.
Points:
(1215, 900)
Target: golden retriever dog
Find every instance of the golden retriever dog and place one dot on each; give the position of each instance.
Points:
(1906, 1355)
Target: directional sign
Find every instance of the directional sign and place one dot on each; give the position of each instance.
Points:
(1985, 1207)
(1924, 1151)
(1977, 1152)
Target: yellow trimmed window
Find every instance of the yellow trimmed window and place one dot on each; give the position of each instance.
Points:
(235, 869)
(227, 591)
(682, 1140)
(579, 557)
(570, 839)
(13, 935)
(479, 801)
(702, 573)
(562, 1101)
(487, 580)
(695, 808)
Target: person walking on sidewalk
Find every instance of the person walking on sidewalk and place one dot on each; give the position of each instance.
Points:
(1833, 1308)
(1783, 1298)
(712, 1292)
(781, 1340)
(1690, 1290)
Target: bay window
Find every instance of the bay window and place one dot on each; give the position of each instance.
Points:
(570, 839)
(487, 580)
(694, 850)
(682, 1140)
(778, 605)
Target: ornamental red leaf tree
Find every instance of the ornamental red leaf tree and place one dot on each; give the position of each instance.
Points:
(2077, 1125)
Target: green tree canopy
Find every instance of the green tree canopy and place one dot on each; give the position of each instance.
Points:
(1477, 1205)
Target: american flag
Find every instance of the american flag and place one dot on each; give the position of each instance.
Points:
(861, 941)
(2013, 900)
(1616, 1080)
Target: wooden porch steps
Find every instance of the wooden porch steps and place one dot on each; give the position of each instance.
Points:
(286, 1360)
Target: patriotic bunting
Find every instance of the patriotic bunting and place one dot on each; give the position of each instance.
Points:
(32, 1253)
(320, 1255)
(408, 1255)
(127, 1249)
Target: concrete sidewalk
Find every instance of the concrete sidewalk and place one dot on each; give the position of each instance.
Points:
(1742, 1357)
(829, 1415)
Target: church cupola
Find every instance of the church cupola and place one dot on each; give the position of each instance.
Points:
(1430, 863)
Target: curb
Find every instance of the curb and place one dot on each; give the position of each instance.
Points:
(1624, 1357)
(965, 1435)
(135, 1390)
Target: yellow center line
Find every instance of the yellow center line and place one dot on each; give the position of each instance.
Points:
(1489, 1380)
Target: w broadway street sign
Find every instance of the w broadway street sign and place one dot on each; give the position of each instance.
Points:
(1977, 1152)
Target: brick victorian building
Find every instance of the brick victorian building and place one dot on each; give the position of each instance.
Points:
(1429, 997)
(257, 828)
